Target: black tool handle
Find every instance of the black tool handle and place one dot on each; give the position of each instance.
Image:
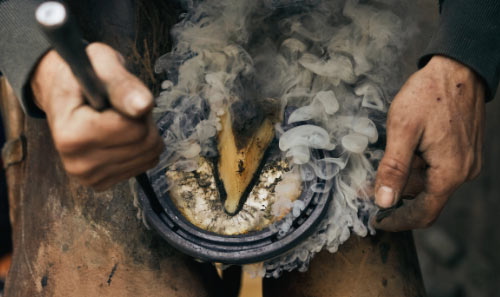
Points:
(64, 35)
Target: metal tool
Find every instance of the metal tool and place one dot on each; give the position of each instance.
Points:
(64, 35)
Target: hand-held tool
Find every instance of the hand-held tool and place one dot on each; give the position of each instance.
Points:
(64, 35)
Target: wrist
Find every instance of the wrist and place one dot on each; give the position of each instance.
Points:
(455, 73)
(452, 67)
(445, 63)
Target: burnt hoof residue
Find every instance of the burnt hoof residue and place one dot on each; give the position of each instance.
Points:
(112, 274)
(44, 281)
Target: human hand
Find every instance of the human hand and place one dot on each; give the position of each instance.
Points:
(438, 114)
(99, 149)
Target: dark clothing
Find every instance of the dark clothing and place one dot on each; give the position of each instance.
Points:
(469, 31)
(21, 46)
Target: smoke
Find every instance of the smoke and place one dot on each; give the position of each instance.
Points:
(332, 65)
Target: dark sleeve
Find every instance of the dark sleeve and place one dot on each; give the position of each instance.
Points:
(469, 32)
(21, 46)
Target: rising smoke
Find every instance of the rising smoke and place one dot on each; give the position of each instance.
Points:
(331, 64)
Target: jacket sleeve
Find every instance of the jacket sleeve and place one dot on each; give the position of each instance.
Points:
(22, 45)
(469, 32)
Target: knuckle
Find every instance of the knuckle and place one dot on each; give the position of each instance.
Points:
(428, 221)
(453, 176)
(132, 131)
(67, 141)
(460, 177)
(393, 167)
(122, 130)
(401, 122)
(80, 169)
(118, 82)
(443, 187)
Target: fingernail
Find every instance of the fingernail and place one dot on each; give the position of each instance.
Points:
(138, 102)
(385, 197)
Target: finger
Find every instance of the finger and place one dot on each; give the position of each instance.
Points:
(422, 211)
(98, 164)
(403, 134)
(416, 180)
(85, 129)
(106, 184)
(412, 214)
(108, 156)
(126, 92)
(125, 171)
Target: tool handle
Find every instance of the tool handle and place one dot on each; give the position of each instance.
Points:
(64, 35)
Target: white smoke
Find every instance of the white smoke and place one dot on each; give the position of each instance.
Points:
(333, 65)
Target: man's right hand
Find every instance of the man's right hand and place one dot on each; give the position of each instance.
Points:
(98, 148)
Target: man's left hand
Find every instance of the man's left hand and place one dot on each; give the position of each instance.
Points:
(439, 116)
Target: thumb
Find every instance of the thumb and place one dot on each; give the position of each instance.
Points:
(394, 168)
(128, 95)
